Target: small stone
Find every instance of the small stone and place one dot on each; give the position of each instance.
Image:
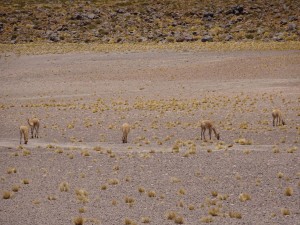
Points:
(207, 38)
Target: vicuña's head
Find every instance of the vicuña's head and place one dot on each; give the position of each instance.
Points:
(218, 136)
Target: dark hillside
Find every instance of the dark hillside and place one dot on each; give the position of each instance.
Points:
(114, 21)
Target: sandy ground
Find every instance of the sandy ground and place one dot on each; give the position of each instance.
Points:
(83, 99)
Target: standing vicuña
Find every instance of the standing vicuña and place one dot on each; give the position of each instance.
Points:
(34, 126)
(125, 130)
(207, 124)
(24, 133)
(277, 115)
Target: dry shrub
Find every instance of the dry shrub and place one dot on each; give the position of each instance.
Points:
(11, 170)
(64, 187)
(113, 181)
(171, 215)
(285, 211)
(288, 191)
(82, 195)
(78, 221)
(6, 195)
(214, 211)
(15, 188)
(206, 219)
(146, 220)
(179, 220)
(236, 215)
(25, 181)
(151, 194)
(244, 197)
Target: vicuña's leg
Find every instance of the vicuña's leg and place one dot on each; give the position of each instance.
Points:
(209, 131)
(20, 137)
(204, 129)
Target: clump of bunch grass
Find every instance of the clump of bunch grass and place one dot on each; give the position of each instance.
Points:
(289, 191)
(145, 220)
(236, 215)
(151, 194)
(182, 191)
(214, 211)
(64, 187)
(206, 219)
(171, 215)
(6, 195)
(113, 181)
(78, 221)
(179, 220)
(25, 181)
(244, 197)
(82, 195)
(280, 175)
(15, 188)
(128, 221)
(11, 170)
(285, 211)
(129, 200)
(141, 189)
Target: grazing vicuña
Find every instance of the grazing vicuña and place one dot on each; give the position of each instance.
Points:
(34, 124)
(125, 130)
(24, 133)
(277, 118)
(207, 124)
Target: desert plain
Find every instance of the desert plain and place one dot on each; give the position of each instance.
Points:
(79, 172)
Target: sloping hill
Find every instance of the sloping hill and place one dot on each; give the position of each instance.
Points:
(119, 21)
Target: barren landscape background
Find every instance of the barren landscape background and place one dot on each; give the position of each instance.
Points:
(79, 168)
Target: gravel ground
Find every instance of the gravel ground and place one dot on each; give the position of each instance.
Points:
(83, 99)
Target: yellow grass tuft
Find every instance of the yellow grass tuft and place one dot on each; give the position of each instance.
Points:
(141, 189)
(15, 188)
(6, 195)
(78, 221)
(151, 194)
(64, 187)
(182, 191)
(214, 211)
(179, 220)
(206, 219)
(285, 211)
(236, 215)
(171, 215)
(244, 197)
(82, 195)
(113, 181)
(288, 191)
(146, 220)
(25, 181)
(11, 170)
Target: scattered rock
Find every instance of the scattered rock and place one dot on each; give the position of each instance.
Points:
(207, 38)
(283, 22)
(54, 37)
(77, 16)
(208, 16)
(91, 16)
(278, 37)
(1, 27)
(292, 27)
(228, 37)
(236, 10)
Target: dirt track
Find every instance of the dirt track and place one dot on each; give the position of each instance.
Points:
(82, 100)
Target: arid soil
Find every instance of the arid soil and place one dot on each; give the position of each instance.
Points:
(250, 176)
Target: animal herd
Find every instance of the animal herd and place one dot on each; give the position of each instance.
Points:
(34, 125)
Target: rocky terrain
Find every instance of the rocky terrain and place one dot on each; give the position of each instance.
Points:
(131, 21)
